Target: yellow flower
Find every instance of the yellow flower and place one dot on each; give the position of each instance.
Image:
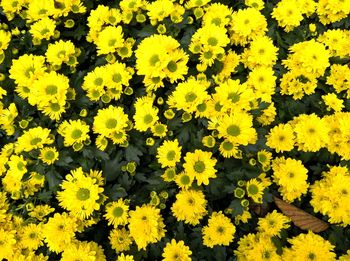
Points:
(333, 102)
(146, 225)
(117, 213)
(32, 236)
(190, 206)
(49, 155)
(183, 180)
(120, 239)
(220, 231)
(59, 231)
(291, 176)
(146, 114)
(176, 251)
(169, 153)
(34, 138)
(109, 39)
(237, 128)
(43, 29)
(26, 69)
(74, 132)
(40, 211)
(61, 52)
(110, 121)
(80, 194)
(78, 251)
(311, 132)
(188, 95)
(200, 165)
(5, 39)
(281, 138)
(309, 247)
(255, 190)
(273, 223)
(329, 193)
(123, 257)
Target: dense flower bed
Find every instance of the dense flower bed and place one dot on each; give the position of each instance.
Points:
(172, 129)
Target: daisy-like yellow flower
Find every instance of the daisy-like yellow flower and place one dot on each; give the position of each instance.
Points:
(228, 149)
(220, 230)
(281, 138)
(49, 155)
(237, 128)
(110, 121)
(146, 114)
(78, 251)
(309, 247)
(117, 213)
(190, 206)
(333, 102)
(291, 176)
(32, 236)
(255, 190)
(123, 257)
(26, 69)
(169, 174)
(41, 211)
(120, 239)
(188, 95)
(176, 251)
(74, 132)
(273, 223)
(43, 29)
(34, 138)
(169, 153)
(146, 225)
(200, 165)
(183, 180)
(109, 39)
(59, 231)
(80, 194)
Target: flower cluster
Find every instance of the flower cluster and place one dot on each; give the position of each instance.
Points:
(166, 129)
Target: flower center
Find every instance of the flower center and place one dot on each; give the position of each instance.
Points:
(233, 130)
(83, 194)
(118, 212)
(253, 189)
(185, 180)
(190, 97)
(148, 119)
(111, 123)
(199, 166)
(170, 155)
(35, 141)
(76, 134)
(51, 89)
(172, 66)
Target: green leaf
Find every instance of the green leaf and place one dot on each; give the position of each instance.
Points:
(133, 154)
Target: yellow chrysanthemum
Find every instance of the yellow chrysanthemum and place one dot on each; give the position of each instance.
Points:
(237, 128)
(110, 121)
(291, 176)
(169, 153)
(120, 239)
(309, 247)
(59, 231)
(200, 165)
(49, 155)
(176, 251)
(74, 132)
(80, 194)
(146, 225)
(219, 230)
(190, 206)
(117, 213)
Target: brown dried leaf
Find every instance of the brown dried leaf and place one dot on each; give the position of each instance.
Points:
(300, 218)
